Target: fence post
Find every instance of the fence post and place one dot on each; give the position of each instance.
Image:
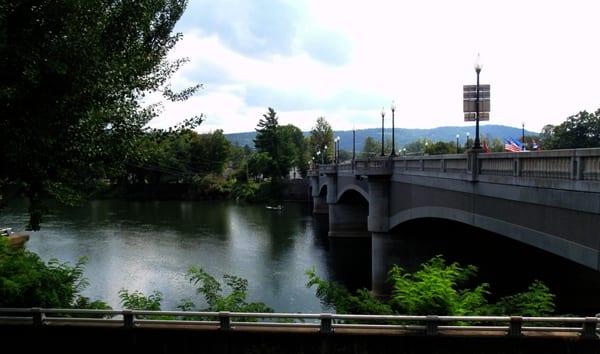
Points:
(326, 323)
(224, 320)
(589, 327)
(516, 323)
(128, 319)
(431, 325)
(38, 316)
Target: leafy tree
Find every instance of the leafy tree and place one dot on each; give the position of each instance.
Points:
(371, 147)
(212, 291)
(335, 295)
(270, 140)
(27, 281)
(418, 146)
(441, 147)
(321, 140)
(136, 300)
(74, 74)
(578, 131)
(293, 143)
(435, 289)
(209, 152)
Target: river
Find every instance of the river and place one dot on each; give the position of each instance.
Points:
(149, 246)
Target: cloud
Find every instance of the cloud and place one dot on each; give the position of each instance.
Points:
(305, 98)
(255, 28)
(328, 47)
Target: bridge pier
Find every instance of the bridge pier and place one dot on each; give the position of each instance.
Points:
(348, 220)
(320, 205)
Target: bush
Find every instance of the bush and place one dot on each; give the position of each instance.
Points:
(27, 281)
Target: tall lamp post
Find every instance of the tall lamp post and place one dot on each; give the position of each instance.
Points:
(457, 136)
(337, 150)
(523, 133)
(468, 142)
(353, 143)
(393, 107)
(382, 120)
(324, 151)
(478, 66)
(319, 153)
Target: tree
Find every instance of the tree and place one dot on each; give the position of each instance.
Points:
(578, 131)
(209, 152)
(270, 140)
(441, 147)
(294, 144)
(371, 147)
(321, 140)
(73, 77)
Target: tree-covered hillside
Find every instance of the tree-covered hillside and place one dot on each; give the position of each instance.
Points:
(404, 136)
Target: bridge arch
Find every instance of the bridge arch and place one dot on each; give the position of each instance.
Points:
(352, 187)
(348, 217)
(550, 243)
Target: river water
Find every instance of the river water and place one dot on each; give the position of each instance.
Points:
(148, 246)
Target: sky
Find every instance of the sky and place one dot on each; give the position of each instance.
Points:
(346, 60)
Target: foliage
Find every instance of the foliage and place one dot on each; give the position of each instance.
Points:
(321, 140)
(371, 147)
(418, 146)
(245, 190)
(212, 291)
(209, 152)
(332, 294)
(74, 77)
(536, 301)
(138, 301)
(581, 130)
(435, 289)
(441, 147)
(27, 281)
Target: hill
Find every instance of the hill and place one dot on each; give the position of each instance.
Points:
(403, 136)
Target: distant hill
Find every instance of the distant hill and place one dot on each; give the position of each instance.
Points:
(403, 136)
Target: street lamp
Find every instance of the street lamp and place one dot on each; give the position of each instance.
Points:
(393, 107)
(523, 133)
(478, 66)
(468, 142)
(457, 136)
(353, 143)
(404, 151)
(382, 120)
(325, 151)
(319, 153)
(337, 150)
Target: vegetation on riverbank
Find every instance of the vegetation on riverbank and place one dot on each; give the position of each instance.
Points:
(436, 288)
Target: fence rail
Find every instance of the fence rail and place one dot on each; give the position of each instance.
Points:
(584, 327)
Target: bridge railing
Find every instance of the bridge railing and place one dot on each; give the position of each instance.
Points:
(585, 327)
(567, 165)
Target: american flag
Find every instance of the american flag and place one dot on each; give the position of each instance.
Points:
(513, 145)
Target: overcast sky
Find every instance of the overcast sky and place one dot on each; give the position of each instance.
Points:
(345, 60)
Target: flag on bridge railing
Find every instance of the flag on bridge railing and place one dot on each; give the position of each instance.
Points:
(513, 145)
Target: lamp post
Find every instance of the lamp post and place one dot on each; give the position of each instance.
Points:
(523, 133)
(478, 66)
(404, 151)
(353, 143)
(393, 107)
(468, 142)
(319, 153)
(382, 120)
(457, 136)
(337, 150)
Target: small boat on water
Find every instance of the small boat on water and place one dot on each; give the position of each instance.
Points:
(275, 207)
(15, 239)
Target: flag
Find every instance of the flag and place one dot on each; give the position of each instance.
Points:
(513, 145)
(485, 146)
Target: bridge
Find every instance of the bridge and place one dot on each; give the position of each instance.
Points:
(546, 199)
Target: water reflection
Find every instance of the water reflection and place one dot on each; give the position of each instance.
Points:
(149, 246)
